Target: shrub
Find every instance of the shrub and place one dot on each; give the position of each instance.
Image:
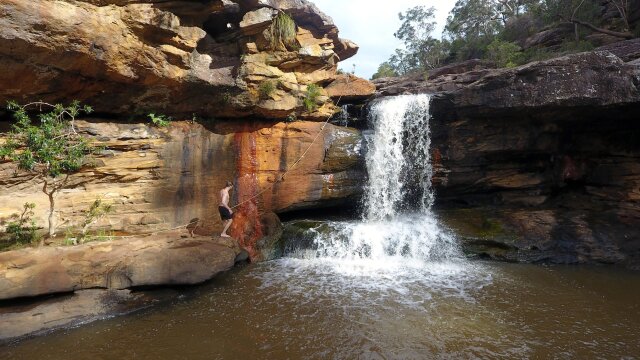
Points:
(503, 53)
(96, 211)
(311, 98)
(160, 120)
(283, 32)
(23, 229)
(266, 89)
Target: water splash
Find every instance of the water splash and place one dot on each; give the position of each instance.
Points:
(398, 248)
(398, 225)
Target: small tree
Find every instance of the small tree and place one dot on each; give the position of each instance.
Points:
(23, 228)
(51, 150)
(97, 211)
(503, 53)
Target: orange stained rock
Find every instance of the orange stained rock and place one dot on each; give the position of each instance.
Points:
(246, 227)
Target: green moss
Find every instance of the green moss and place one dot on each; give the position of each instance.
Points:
(160, 120)
(475, 223)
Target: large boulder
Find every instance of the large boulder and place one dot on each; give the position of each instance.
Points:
(587, 79)
(122, 264)
(178, 57)
(349, 88)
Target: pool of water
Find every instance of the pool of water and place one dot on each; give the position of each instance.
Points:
(324, 309)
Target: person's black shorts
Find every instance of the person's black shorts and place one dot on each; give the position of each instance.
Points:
(225, 214)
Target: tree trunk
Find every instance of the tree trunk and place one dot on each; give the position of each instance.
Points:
(623, 35)
(52, 219)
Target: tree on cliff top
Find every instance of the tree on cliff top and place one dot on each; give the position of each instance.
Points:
(421, 51)
(51, 151)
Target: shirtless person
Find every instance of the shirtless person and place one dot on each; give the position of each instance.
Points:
(226, 214)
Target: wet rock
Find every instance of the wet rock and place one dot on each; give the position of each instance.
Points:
(37, 316)
(269, 245)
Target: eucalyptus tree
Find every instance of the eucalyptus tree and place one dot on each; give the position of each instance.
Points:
(421, 50)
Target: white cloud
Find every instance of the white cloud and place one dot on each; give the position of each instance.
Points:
(371, 25)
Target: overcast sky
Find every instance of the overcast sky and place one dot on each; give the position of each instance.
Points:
(371, 25)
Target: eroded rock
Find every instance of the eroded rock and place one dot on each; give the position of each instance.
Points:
(179, 57)
(164, 259)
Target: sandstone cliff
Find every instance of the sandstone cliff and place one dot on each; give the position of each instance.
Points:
(176, 57)
(157, 179)
(210, 61)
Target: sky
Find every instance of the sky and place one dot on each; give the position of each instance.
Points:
(371, 24)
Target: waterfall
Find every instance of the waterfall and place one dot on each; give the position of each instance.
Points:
(397, 224)
(397, 253)
(398, 160)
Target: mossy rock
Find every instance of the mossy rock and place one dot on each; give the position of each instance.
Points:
(301, 234)
(481, 233)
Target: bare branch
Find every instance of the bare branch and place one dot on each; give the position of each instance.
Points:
(623, 35)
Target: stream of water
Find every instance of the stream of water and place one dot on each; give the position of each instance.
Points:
(392, 285)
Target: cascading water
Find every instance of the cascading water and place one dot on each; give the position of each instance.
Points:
(397, 224)
(397, 251)
(399, 156)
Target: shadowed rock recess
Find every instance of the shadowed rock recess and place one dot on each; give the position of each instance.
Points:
(540, 163)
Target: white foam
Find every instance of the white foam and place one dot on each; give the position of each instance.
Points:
(398, 250)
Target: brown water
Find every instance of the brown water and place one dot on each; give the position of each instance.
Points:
(301, 309)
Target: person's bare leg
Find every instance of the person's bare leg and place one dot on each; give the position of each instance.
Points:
(226, 227)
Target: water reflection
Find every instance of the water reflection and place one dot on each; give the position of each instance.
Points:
(283, 311)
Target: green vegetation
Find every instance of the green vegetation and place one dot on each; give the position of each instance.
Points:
(503, 53)
(310, 100)
(283, 32)
(384, 70)
(266, 89)
(160, 120)
(50, 151)
(96, 211)
(498, 30)
(22, 230)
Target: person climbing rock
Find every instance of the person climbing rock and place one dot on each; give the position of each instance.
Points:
(226, 214)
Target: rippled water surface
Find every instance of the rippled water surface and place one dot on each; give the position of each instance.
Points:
(305, 309)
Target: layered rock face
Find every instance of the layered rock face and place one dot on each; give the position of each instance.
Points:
(540, 163)
(161, 178)
(207, 57)
(251, 60)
